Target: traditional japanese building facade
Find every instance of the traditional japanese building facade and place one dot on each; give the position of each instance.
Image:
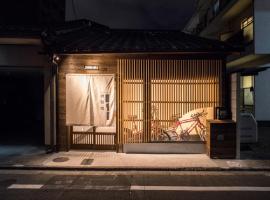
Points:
(136, 90)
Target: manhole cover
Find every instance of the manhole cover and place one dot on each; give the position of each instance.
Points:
(61, 159)
(87, 161)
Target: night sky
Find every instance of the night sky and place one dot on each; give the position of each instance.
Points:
(133, 14)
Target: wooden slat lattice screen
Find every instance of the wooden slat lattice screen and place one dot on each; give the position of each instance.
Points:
(152, 92)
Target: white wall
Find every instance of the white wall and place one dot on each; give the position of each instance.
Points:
(262, 26)
(235, 86)
(262, 96)
(234, 93)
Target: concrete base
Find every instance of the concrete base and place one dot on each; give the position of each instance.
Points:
(166, 148)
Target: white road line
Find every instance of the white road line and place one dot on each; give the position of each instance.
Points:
(106, 187)
(200, 188)
(25, 186)
(137, 187)
(145, 188)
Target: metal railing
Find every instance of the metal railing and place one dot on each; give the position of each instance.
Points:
(205, 22)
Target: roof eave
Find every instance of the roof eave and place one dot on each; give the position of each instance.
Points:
(225, 53)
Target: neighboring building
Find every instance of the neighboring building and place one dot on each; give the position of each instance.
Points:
(25, 101)
(244, 23)
(127, 89)
(28, 84)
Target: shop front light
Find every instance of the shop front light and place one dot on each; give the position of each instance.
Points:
(56, 59)
(91, 67)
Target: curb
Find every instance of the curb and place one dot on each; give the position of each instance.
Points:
(46, 168)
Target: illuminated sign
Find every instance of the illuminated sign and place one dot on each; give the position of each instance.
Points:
(91, 67)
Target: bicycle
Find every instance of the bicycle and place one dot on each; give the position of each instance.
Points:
(174, 133)
(177, 133)
(184, 134)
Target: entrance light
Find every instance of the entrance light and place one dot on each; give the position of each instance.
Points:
(91, 67)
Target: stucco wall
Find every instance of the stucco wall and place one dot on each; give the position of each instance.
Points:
(262, 96)
(262, 26)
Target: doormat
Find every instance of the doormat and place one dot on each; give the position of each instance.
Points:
(87, 161)
(61, 159)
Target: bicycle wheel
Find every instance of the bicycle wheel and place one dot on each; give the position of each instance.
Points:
(203, 134)
(172, 135)
(184, 136)
(163, 136)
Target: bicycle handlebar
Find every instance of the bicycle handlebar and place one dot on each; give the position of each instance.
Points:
(201, 114)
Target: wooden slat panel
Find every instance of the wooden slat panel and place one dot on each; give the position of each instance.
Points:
(171, 87)
(91, 140)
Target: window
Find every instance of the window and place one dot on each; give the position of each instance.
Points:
(247, 82)
(247, 86)
(248, 97)
(247, 93)
(246, 22)
(247, 27)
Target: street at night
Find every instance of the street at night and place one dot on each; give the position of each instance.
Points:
(58, 185)
(135, 99)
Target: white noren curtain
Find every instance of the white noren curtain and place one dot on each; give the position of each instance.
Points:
(90, 100)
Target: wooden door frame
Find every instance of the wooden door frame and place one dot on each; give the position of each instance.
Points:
(94, 146)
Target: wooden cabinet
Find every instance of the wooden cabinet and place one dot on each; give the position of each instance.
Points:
(221, 139)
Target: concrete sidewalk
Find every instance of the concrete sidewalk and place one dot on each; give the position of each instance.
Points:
(106, 160)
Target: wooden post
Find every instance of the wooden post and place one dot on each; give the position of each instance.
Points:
(119, 103)
(146, 100)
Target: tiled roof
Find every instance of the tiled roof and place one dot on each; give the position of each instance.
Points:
(95, 38)
(84, 36)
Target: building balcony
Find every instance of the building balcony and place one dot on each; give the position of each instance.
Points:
(228, 10)
(206, 13)
(241, 40)
(236, 39)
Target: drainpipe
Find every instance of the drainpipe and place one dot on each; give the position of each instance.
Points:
(53, 90)
(238, 136)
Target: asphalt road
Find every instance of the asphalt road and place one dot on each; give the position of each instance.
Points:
(59, 185)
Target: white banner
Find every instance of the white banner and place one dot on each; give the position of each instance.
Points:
(77, 100)
(90, 100)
